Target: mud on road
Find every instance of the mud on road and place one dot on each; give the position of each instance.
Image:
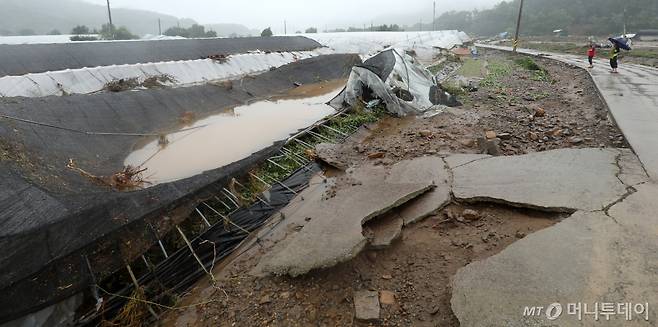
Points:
(514, 111)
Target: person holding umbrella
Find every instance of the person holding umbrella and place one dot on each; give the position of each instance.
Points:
(617, 45)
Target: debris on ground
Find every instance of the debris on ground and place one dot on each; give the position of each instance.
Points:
(127, 84)
(331, 154)
(130, 178)
(366, 306)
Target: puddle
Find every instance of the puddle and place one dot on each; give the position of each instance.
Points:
(233, 135)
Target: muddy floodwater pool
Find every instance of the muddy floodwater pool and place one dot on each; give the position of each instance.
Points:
(235, 134)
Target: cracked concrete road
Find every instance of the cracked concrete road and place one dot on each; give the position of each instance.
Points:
(333, 229)
(589, 258)
(563, 180)
(594, 256)
(631, 96)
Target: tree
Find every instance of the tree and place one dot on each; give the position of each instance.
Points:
(311, 30)
(55, 32)
(177, 31)
(112, 33)
(194, 31)
(80, 29)
(267, 32)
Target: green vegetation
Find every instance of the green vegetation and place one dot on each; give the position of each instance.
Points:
(496, 71)
(541, 17)
(267, 32)
(472, 68)
(194, 31)
(453, 89)
(538, 73)
(280, 167)
(436, 68)
(109, 32)
(80, 30)
(311, 30)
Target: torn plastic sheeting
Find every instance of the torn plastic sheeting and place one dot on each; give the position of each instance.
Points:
(181, 73)
(390, 71)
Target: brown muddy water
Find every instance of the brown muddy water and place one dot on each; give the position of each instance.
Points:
(235, 134)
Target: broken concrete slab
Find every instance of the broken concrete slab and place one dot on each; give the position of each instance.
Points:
(366, 305)
(632, 172)
(332, 154)
(334, 231)
(560, 180)
(418, 170)
(587, 258)
(425, 205)
(384, 231)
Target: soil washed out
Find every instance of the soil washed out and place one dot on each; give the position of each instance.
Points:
(227, 137)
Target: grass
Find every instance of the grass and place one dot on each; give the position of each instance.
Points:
(644, 53)
(538, 73)
(496, 71)
(437, 68)
(472, 68)
(453, 89)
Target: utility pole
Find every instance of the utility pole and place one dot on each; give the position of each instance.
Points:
(518, 28)
(434, 18)
(285, 27)
(159, 27)
(109, 14)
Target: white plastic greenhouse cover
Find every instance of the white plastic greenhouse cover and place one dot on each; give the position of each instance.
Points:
(370, 43)
(183, 73)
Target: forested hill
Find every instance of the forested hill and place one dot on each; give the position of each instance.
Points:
(540, 17)
(27, 17)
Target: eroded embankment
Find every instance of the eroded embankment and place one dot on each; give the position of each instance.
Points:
(52, 216)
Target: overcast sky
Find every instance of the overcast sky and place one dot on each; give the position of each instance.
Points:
(299, 13)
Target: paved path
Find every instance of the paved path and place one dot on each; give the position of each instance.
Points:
(632, 97)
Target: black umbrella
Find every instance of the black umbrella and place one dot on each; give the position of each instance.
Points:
(621, 42)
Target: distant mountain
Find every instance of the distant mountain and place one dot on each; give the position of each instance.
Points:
(542, 17)
(43, 16)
